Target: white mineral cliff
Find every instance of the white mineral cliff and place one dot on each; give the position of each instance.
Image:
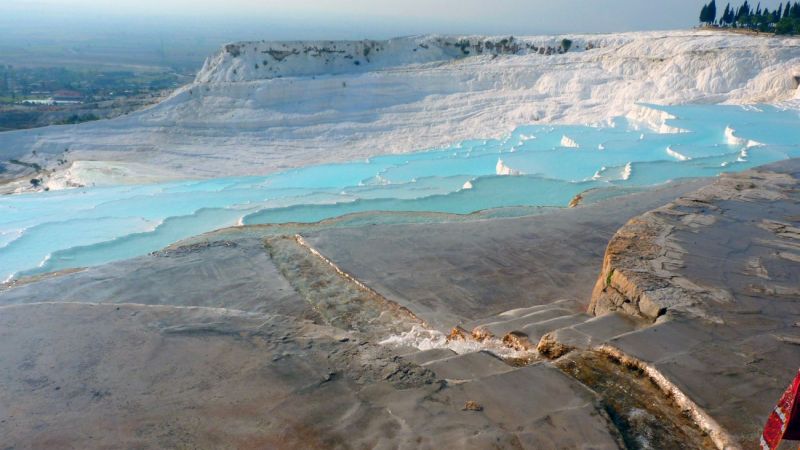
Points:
(261, 107)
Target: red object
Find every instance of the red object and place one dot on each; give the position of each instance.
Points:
(784, 421)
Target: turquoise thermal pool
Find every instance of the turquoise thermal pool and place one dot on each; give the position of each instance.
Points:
(536, 165)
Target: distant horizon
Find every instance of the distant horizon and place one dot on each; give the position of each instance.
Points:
(361, 19)
(181, 33)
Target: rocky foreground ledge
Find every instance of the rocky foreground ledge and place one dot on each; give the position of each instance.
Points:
(737, 237)
(300, 336)
(718, 273)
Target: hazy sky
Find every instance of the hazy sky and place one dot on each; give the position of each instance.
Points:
(179, 34)
(380, 18)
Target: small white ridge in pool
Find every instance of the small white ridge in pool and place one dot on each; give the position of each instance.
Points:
(568, 142)
(743, 155)
(502, 169)
(730, 136)
(626, 172)
(677, 155)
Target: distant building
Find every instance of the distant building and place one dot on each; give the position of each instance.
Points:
(33, 101)
(67, 97)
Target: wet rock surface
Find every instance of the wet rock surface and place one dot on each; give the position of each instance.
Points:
(643, 415)
(248, 338)
(136, 376)
(707, 249)
(84, 375)
(718, 270)
(449, 273)
(243, 343)
(238, 276)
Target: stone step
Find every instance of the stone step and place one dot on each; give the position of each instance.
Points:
(469, 366)
(536, 330)
(527, 338)
(501, 328)
(427, 356)
(572, 305)
(545, 407)
(587, 334)
(519, 312)
(609, 326)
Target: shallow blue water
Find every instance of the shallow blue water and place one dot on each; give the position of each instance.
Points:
(88, 226)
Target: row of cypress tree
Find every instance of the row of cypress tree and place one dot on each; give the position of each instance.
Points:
(783, 20)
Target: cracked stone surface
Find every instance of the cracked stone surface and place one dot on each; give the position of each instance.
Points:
(457, 272)
(717, 271)
(224, 341)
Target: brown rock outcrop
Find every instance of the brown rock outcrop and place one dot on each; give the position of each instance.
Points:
(640, 274)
